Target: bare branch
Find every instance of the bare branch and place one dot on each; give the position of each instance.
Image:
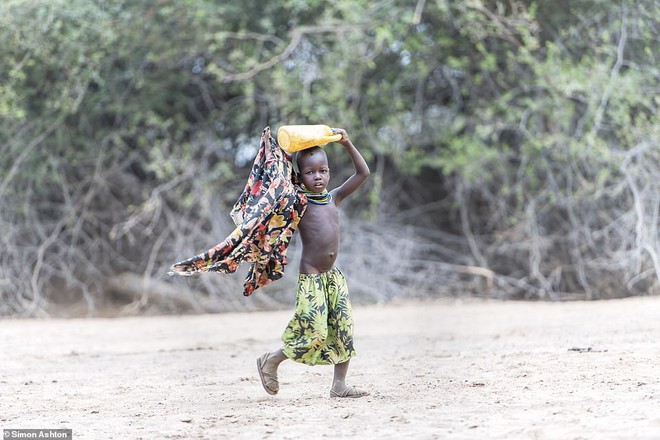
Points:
(296, 36)
(614, 72)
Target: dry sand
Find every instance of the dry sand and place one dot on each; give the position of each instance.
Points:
(445, 370)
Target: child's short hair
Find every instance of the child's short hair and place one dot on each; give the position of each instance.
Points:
(303, 154)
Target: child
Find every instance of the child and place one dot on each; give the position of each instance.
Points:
(321, 330)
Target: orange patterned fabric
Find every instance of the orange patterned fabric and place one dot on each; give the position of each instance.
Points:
(266, 216)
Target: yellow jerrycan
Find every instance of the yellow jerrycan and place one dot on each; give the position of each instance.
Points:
(300, 137)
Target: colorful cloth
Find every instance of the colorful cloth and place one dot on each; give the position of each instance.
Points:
(266, 216)
(321, 330)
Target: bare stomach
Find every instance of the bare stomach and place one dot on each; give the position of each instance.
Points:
(318, 261)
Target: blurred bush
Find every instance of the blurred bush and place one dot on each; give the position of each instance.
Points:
(513, 144)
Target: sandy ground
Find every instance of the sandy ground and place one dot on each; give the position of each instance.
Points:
(446, 370)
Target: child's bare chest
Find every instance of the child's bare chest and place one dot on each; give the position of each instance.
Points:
(320, 223)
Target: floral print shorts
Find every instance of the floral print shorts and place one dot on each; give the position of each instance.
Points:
(321, 330)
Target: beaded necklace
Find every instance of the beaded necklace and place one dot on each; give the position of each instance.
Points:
(322, 198)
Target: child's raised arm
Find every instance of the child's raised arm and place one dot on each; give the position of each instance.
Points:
(361, 168)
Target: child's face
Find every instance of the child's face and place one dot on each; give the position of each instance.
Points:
(315, 172)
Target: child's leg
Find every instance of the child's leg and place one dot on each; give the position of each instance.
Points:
(340, 325)
(267, 366)
(339, 379)
(274, 360)
(339, 387)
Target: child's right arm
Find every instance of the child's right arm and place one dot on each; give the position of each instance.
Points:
(361, 169)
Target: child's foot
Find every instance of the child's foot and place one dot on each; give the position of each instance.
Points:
(347, 391)
(267, 375)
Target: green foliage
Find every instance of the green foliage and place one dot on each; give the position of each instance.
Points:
(118, 118)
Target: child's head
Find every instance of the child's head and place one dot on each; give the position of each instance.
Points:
(313, 167)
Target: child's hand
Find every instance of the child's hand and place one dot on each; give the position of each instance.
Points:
(344, 135)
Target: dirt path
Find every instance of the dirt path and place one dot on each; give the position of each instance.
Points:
(446, 370)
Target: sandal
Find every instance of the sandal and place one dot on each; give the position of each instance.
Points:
(350, 392)
(268, 380)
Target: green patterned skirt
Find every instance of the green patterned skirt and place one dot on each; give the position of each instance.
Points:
(321, 330)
